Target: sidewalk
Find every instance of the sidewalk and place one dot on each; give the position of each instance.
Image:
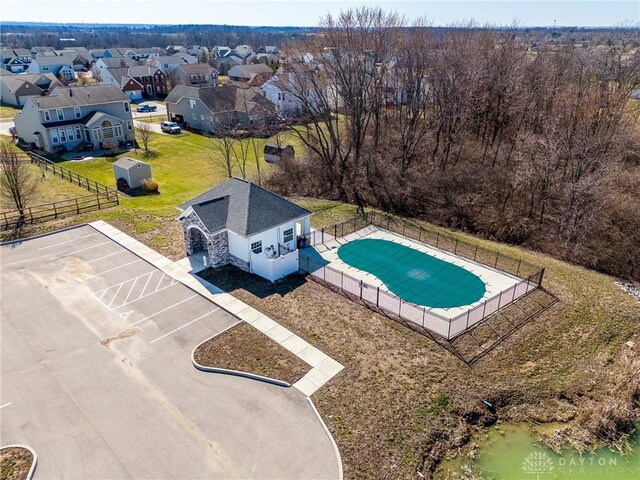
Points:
(324, 368)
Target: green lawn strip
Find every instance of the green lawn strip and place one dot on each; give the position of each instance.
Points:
(15, 463)
(244, 348)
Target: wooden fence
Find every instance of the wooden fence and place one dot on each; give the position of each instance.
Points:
(74, 177)
(101, 197)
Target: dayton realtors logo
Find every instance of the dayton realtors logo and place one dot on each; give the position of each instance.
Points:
(537, 463)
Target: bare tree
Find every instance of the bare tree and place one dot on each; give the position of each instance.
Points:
(18, 184)
(222, 142)
(144, 132)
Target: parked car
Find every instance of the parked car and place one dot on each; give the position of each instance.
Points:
(146, 108)
(170, 127)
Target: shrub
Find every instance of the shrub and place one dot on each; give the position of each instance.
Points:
(149, 185)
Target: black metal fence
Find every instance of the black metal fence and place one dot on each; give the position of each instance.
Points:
(529, 276)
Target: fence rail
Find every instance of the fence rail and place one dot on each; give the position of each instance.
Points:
(85, 182)
(101, 197)
(529, 275)
(48, 211)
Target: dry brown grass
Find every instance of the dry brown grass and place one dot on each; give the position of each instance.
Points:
(246, 349)
(403, 401)
(15, 463)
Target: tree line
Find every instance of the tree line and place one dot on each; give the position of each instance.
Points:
(471, 129)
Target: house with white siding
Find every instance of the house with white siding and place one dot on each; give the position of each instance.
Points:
(245, 225)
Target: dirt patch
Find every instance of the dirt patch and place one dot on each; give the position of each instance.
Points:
(246, 349)
(130, 332)
(15, 463)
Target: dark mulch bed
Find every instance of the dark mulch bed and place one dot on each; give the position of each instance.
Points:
(246, 349)
(15, 463)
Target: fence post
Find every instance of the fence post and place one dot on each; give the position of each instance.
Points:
(475, 254)
(399, 307)
(420, 234)
(378, 298)
(499, 300)
(484, 309)
(513, 297)
(449, 331)
(404, 222)
(496, 264)
(360, 289)
(322, 234)
(77, 206)
(424, 312)
(342, 281)
(388, 222)
(468, 314)
(438, 240)
(455, 249)
(324, 274)
(335, 231)
(518, 272)
(540, 278)
(98, 198)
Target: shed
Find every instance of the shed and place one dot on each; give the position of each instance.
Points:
(273, 152)
(131, 170)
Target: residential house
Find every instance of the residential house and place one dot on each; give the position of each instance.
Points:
(153, 79)
(244, 51)
(198, 75)
(72, 118)
(15, 60)
(137, 81)
(173, 49)
(269, 49)
(221, 51)
(213, 109)
(197, 50)
(244, 73)
(15, 89)
(274, 152)
(64, 66)
(107, 63)
(267, 58)
(292, 93)
(168, 63)
(226, 63)
(240, 223)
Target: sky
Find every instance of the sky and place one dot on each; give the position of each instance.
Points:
(307, 13)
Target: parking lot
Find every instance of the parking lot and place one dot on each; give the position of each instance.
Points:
(96, 374)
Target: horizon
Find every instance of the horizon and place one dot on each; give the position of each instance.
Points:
(491, 13)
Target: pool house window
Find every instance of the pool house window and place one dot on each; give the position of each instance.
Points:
(256, 247)
(288, 235)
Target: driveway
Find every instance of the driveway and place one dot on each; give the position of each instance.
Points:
(4, 127)
(161, 110)
(96, 374)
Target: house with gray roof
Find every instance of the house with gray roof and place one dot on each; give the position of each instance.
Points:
(200, 75)
(15, 89)
(74, 118)
(63, 66)
(244, 73)
(240, 223)
(214, 109)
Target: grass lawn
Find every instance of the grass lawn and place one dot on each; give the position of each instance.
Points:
(7, 112)
(50, 188)
(246, 349)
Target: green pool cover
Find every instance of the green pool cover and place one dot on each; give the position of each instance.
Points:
(412, 275)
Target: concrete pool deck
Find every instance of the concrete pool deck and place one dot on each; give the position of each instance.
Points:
(495, 281)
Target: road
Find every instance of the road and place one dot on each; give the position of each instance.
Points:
(96, 374)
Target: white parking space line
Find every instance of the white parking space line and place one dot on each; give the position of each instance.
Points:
(111, 306)
(106, 256)
(185, 325)
(82, 250)
(5, 405)
(68, 241)
(116, 268)
(163, 310)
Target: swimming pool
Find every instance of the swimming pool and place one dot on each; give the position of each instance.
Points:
(412, 275)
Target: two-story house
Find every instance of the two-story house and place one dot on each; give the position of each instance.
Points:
(60, 65)
(15, 89)
(74, 118)
(168, 63)
(152, 79)
(211, 109)
(198, 75)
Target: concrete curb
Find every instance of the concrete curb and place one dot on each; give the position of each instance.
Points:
(333, 442)
(237, 373)
(34, 456)
(45, 234)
